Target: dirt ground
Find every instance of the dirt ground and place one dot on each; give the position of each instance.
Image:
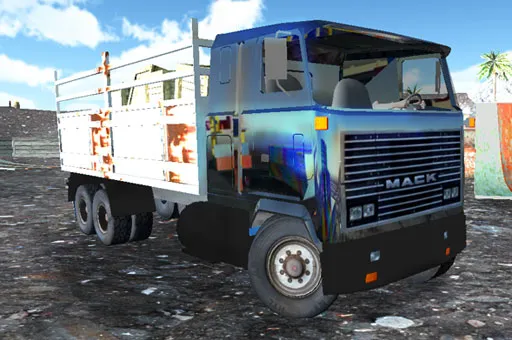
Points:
(57, 283)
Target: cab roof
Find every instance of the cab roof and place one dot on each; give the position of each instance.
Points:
(308, 27)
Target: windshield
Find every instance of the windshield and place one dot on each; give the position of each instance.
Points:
(361, 70)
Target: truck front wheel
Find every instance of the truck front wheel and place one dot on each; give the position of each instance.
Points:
(285, 269)
(110, 229)
(83, 209)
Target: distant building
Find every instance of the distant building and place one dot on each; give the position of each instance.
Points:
(152, 93)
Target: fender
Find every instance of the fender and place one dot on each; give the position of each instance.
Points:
(266, 205)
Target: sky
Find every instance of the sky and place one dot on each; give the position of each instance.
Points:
(40, 36)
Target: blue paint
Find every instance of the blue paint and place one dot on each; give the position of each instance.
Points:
(254, 230)
(349, 112)
(235, 127)
(306, 27)
(244, 35)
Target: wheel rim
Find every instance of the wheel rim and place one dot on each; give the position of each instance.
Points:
(102, 219)
(293, 266)
(83, 210)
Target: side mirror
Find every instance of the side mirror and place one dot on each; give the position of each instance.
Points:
(276, 59)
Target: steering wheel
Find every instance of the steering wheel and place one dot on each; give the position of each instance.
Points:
(412, 96)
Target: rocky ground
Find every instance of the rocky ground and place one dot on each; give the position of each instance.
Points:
(27, 123)
(59, 284)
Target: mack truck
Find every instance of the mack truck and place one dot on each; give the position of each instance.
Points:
(323, 158)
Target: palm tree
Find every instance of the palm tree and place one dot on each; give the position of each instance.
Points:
(497, 65)
(414, 90)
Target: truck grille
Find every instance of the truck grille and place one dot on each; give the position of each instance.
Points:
(401, 173)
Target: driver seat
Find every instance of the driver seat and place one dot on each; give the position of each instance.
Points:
(351, 94)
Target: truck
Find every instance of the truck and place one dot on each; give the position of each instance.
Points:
(323, 158)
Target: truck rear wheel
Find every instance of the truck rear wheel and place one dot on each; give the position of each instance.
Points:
(165, 208)
(168, 210)
(142, 226)
(83, 209)
(110, 229)
(285, 269)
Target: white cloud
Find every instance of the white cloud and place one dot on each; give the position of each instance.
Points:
(219, 19)
(228, 15)
(138, 32)
(57, 20)
(411, 77)
(17, 71)
(24, 102)
(466, 81)
(9, 27)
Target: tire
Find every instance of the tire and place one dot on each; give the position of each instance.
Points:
(109, 229)
(165, 209)
(83, 209)
(268, 249)
(142, 226)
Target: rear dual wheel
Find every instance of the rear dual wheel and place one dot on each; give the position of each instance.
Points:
(109, 229)
(142, 226)
(83, 209)
(167, 209)
(97, 219)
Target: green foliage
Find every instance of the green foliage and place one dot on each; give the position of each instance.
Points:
(414, 90)
(496, 64)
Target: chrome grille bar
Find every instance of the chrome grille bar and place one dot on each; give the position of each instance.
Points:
(391, 171)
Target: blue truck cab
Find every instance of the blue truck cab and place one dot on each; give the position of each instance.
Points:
(344, 174)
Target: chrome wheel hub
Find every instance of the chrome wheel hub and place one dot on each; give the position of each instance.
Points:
(293, 266)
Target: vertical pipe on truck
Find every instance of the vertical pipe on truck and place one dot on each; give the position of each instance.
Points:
(57, 104)
(238, 89)
(200, 108)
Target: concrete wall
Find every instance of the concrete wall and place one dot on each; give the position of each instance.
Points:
(29, 147)
(5, 147)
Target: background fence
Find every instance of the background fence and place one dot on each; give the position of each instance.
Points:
(29, 147)
(5, 147)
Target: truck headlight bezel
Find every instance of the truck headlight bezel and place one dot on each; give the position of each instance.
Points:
(356, 213)
(369, 210)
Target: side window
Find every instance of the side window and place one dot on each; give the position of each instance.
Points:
(225, 65)
(424, 77)
(295, 70)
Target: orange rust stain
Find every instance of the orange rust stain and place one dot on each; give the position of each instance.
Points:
(168, 110)
(469, 162)
(173, 177)
(505, 129)
(181, 143)
(100, 138)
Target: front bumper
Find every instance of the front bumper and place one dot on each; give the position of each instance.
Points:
(403, 253)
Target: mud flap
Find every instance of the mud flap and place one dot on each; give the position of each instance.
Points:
(215, 233)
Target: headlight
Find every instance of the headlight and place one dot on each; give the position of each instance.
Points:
(356, 213)
(455, 192)
(447, 194)
(368, 210)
